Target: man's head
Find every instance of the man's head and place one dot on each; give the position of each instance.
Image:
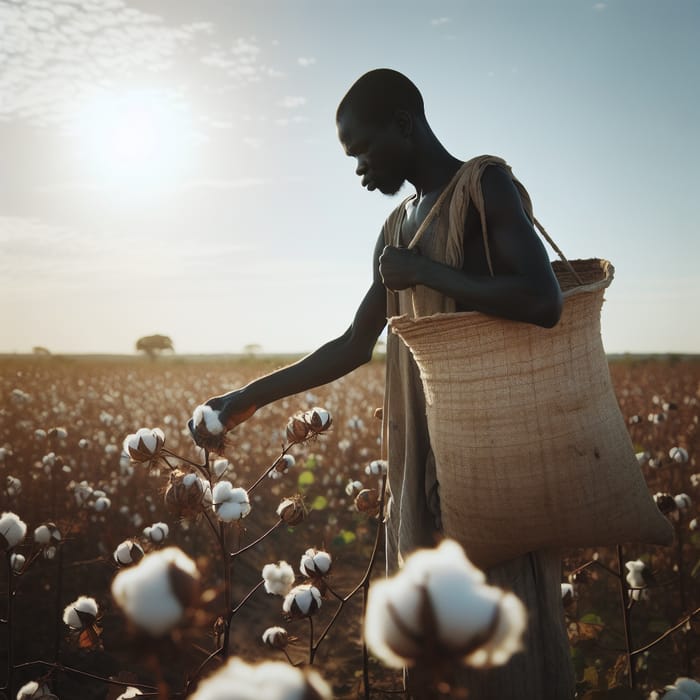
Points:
(377, 122)
(376, 96)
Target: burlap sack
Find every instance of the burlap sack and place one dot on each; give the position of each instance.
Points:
(531, 448)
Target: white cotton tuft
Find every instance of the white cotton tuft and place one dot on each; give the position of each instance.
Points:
(207, 416)
(150, 596)
(130, 693)
(272, 680)
(230, 503)
(443, 589)
(12, 530)
(80, 612)
(279, 578)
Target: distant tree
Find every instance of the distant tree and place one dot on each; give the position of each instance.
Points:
(40, 350)
(153, 345)
(252, 349)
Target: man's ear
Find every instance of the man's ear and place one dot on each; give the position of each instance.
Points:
(404, 122)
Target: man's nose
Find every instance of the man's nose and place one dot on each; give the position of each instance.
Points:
(361, 168)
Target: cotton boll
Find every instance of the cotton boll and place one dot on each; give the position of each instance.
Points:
(272, 680)
(439, 605)
(34, 691)
(682, 501)
(128, 552)
(315, 563)
(205, 416)
(275, 637)
(229, 503)
(506, 639)
(155, 593)
(80, 613)
(302, 601)
(17, 562)
(279, 578)
(678, 454)
(12, 531)
(391, 626)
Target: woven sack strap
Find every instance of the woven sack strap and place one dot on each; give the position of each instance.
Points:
(436, 208)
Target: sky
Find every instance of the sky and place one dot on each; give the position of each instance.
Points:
(173, 167)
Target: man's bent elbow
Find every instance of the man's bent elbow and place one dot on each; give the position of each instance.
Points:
(549, 311)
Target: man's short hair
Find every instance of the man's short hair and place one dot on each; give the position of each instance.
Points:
(377, 95)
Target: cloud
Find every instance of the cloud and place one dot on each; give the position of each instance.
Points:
(600, 6)
(439, 21)
(293, 102)
(52, 52)
(306, 61)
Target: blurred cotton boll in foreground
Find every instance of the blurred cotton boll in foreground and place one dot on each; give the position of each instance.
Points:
(12, 531)
(81, 613)
(155, 593)
(272, 680)
(439, 607)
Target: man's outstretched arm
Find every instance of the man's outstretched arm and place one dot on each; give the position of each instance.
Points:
(329, 362)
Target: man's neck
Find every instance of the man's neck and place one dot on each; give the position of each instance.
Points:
(434, 167)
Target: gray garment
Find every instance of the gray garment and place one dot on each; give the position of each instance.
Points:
(543, 671)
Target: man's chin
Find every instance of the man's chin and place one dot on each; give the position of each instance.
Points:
(391, 188)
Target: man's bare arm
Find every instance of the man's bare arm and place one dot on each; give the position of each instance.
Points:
(524, 287)
(329, 362)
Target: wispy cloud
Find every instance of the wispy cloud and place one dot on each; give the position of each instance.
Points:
(52, 52)
(292, 102)
(306, 61)
(600, 6)
(439, 21)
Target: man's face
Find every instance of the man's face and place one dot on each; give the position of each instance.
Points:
(380, 152)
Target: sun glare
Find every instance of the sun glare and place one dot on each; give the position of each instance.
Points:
(136, 137)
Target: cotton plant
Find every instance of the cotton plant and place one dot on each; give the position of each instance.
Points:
(439, 609)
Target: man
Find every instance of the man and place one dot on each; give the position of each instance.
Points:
(479, 253)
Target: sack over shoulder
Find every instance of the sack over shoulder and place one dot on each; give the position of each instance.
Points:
(531, 448)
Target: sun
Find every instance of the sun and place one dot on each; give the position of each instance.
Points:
(136, 137)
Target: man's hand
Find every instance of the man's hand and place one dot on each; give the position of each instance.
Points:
(219, 415)
(400, 267)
